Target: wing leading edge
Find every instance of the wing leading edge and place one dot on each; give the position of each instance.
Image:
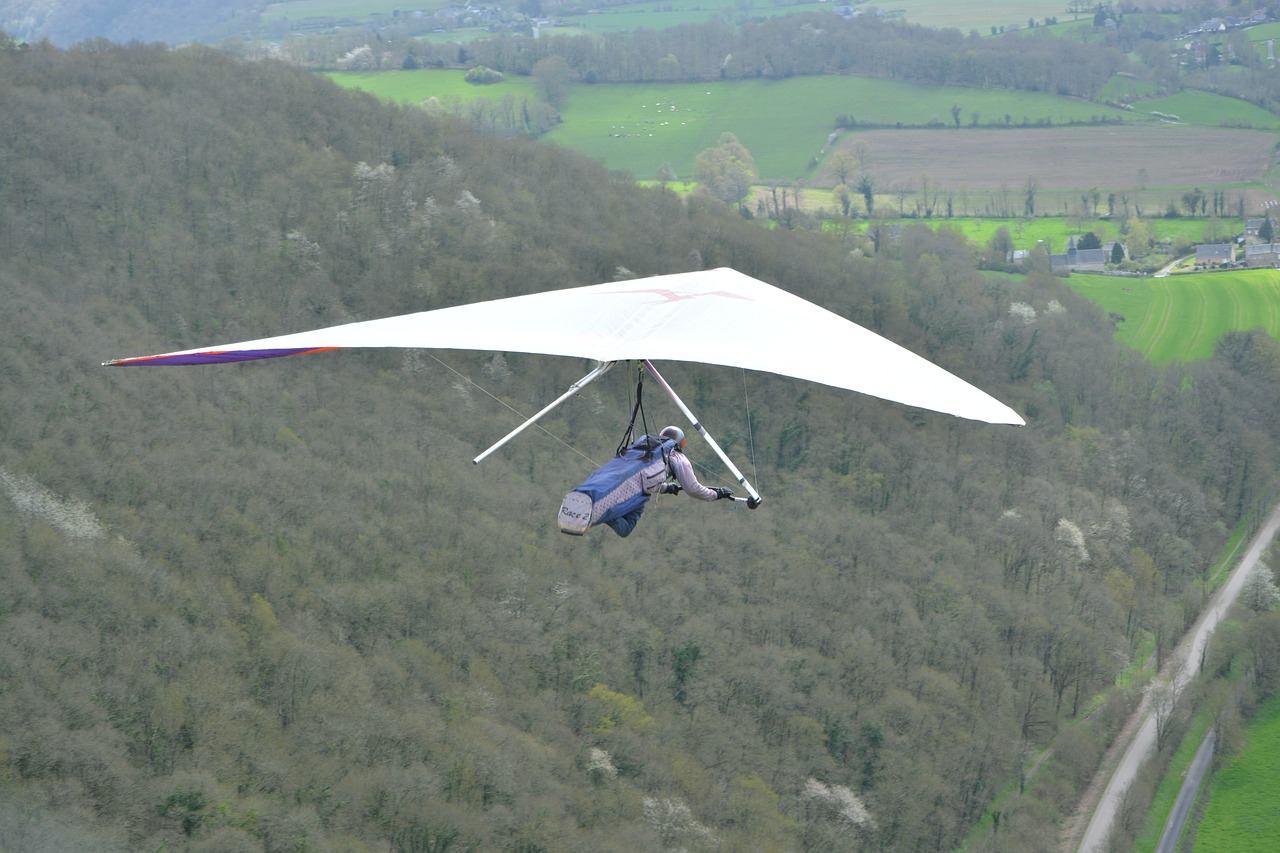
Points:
(718, 316)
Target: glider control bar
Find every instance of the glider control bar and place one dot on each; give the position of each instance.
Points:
(600, 370)
(754, 500)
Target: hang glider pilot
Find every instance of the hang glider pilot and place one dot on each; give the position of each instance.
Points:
(617, 492)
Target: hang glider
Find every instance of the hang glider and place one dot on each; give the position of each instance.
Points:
(719, 317)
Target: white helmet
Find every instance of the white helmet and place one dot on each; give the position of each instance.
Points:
(675, 433)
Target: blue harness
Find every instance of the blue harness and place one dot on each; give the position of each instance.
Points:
(640, 469)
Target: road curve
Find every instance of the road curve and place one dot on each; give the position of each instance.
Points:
(1183, 665)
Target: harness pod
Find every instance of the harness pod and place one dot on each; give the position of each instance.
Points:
(618, 488)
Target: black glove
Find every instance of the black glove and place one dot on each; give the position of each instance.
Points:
(670, 488)
(722, 494)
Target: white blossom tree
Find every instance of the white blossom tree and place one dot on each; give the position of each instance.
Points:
(1259, 592)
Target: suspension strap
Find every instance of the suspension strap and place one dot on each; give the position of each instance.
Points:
(628, 437)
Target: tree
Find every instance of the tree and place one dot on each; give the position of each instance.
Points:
(1163, 696)
(727, 171)
(1089, 240)
(1259, 592)
(867, 187)
(553, 76)
(843, 198)
(1029, 196)
(1137, 236)
(842, 164)
(1001, 245)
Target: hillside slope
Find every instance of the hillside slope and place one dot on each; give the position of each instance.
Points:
(274, 607)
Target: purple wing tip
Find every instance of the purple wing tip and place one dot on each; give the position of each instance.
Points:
(213, 356)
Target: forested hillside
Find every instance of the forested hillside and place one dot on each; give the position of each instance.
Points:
(274, 606)
(66, 22)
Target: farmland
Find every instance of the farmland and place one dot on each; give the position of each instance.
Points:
(414, 87)
(1116, 157)
(1054, 231)
(1241, 817)
(662, 14)
(902, 132)
(1181, 318)
(784, 123)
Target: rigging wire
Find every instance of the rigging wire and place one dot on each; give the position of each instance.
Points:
(497, 399)
(751, 437)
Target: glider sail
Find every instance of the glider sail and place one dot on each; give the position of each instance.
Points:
(719, 316)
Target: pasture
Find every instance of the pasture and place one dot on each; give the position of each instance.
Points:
(1192, 106)
(1055, 230)
(1241, 814)
(785, 124)
(414, 87)
(352, 10)
(664, 14)
(1181, 317)
(980, 15)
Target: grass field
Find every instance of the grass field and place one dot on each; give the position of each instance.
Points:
(1196, 107)
(663, 14)
(1054, 230)
(638, 128)
(414, 87)
(1181, 318)
(783, 123)
(1241, 815)
(980, 15)
(297, 10)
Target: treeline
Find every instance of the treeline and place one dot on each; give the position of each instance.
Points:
(274, 607)
(775, 48)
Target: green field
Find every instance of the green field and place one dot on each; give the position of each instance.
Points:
(784, 123)
(1181, 317)
(1196, 107)
(980, 15)
(414, 87)
(296, 10)
(1054, 230)
(1241, 815)
(664, 14)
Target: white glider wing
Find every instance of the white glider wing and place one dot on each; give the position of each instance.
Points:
(716, 316)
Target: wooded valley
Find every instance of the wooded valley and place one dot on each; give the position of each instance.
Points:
(274, 606)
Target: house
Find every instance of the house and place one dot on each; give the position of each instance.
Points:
(1262, 255)
(1252, 227)
(1081, 260)
(1215, 254)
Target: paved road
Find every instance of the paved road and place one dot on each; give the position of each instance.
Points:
(1187, 795)
(1184, 664)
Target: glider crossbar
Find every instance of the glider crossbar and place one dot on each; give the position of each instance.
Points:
(754, 500)
(599, 370)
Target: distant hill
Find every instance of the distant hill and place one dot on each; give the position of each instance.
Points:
(66, 22)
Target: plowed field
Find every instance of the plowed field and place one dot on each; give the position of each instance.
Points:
(1109, 157)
